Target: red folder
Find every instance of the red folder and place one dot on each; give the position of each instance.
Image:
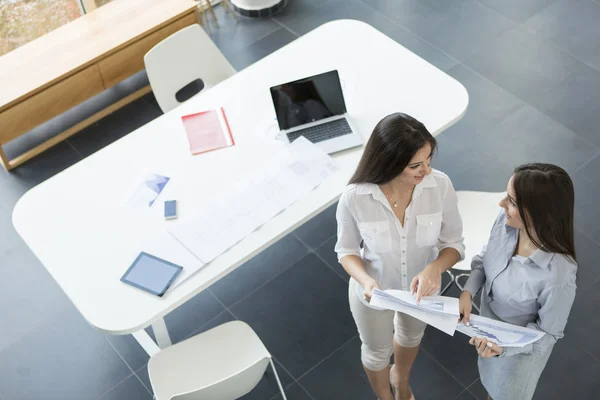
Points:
(207, 131)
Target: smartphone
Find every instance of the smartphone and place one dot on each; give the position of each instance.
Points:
(170, 209)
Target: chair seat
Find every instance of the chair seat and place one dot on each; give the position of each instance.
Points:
(478, 211)
(204, 359)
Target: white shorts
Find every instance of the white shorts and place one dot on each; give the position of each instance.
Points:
(378, 328)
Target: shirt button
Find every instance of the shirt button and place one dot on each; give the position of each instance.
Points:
(403, 237)
(404, 251)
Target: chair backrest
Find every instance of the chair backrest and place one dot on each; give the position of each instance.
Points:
(231, 388)
(183, 57)
(223, 363)
(478, 211)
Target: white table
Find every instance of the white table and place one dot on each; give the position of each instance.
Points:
(77, 227)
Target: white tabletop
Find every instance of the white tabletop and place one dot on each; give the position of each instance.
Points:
(75, 222)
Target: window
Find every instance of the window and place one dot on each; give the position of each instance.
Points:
(21, 21)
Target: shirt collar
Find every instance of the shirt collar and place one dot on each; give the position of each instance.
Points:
(541, 258)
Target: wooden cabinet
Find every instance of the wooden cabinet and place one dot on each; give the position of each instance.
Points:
(81, 59)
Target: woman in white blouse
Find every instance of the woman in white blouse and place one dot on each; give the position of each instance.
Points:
(405, 215)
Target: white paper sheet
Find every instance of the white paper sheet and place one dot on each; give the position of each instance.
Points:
(294, 171)
(441, 312)
(501, 333)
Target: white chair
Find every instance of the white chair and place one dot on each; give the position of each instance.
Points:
(223, 363)
(183, 57)
(478, 211)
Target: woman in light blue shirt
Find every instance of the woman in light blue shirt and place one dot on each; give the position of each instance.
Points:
(527, 273)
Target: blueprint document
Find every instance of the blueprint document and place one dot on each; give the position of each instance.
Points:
(501, 333)
(441, 312)
(293, 172)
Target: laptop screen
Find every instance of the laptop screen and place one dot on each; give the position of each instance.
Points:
(308, 100)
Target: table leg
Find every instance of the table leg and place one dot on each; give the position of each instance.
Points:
(162, 338)
(146, 342)
(161, 333)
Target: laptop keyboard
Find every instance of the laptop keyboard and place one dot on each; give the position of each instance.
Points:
(319, 133)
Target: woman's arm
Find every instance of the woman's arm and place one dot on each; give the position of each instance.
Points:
(555, 307)
(451, 242)
(348, 245)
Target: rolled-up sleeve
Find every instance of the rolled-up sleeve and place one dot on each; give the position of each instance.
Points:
(555, 302)
(348, 235)
(451, 234)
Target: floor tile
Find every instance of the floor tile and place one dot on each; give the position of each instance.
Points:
(261, 48)
(575, 102)
(530, 136)
(571, 25)
(129, 349)
(570, 373)
(15, 183)
(221, 318)
(523, 64)
(587, 192)
(485, 97)
(326, 253)
(582, 326)
(454, 353)
(232, 36)
(259, 270)
(518, 10)
(63, 359)
(113, 127)
(297, 11)
(319, 229)
(293, 392)
(142, 375)
(302, 316)
(10, 237)
(130, 389)
(341, 376)
(459, 28)
(478, 391)
(466, 395)
(423, 49)
(190, 316)
(588, 270)
(332, 10)
(401, 11)
(30, 297)
(429, 381)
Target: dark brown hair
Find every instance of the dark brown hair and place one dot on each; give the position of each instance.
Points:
(393, 143)
(546, 200)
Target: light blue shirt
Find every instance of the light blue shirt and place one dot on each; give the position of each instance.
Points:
(536, 291)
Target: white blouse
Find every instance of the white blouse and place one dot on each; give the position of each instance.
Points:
(392, 254)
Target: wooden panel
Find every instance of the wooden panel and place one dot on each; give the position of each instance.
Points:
(15, 162)
(53, 101)
(130, 60)
(81, 43)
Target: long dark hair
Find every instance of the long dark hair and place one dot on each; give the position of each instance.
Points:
(546, 200)
(393, 143)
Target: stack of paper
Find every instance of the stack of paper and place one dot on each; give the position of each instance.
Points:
(292, 173)
(501, 333)
(440, 312)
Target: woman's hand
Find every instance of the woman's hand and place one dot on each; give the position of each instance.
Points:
(486, 349)
(465, 305)
(426, 283)
(368, 286)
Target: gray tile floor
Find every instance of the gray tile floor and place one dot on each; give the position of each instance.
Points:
(532, 69)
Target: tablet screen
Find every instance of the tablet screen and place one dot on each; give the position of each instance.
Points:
(151, 273)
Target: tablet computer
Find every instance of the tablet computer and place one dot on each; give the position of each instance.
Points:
(152, 274)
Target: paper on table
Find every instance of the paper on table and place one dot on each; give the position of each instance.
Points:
(441, 312)
(145, 190)
(294, 171)
(501, 333)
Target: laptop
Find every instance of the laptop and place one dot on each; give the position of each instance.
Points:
(314, 107)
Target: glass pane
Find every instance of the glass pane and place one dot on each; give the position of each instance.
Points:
(21, 21)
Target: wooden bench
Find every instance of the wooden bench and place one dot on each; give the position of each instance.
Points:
(79, 60)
